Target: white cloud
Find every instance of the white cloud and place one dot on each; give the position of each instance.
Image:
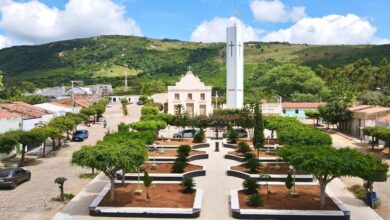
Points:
(215, 30)
(331, 29)
(275, 11)
(5, 42)
(35, 22)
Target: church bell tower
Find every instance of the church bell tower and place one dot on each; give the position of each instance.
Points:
(234, 67)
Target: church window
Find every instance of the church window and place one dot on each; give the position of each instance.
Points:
(202, 96)
(189, 96)
(177, 96)
(284, 111)
(296, 111)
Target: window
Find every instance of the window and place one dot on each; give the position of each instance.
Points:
(202, 96)
(177, 96)
(189, 96)
(296, 111)
(284, 111)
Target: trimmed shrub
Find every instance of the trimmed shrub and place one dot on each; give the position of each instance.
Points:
(123, 127)
(250, 186)
(289, 182)
(252, 164)
(255, 200)
(233, 136)
(248, 156)
(243, 148)
(148, 125)
(179, 166)
(149, 110)
(183, 152)
(188, 185)
(199, 137)
(158, 117)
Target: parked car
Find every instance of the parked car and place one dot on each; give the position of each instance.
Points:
(11, 177)
(241, 133)
(188, 133)
(80, 135)
(109, 105)
(140, 102)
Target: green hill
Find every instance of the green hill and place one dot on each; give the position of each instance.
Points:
(156, 63)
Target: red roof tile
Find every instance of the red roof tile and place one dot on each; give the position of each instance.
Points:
(24, 109)
(302, 104)
(6, 114)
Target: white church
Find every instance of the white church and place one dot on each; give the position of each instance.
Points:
(194, 97)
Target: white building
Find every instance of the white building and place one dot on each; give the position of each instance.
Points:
(78, 90)
(51, 92)
(234, 68)
(10, 122)
(101, 89)
(190, 94)
(57, 109)
(130, 98)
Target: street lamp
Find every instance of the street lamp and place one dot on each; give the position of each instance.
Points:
(293, 170)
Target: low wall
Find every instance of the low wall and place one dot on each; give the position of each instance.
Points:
(172, 159)
(342, 214)
(272, 178)
(146, 212)
(261, 159)
(164, 176)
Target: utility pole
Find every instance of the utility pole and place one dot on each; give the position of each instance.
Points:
(73, 81)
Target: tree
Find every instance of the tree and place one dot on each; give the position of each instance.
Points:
(375, 170)
(88, 112)
(61, 181)
(64, 124)
(324, 162)
(258, 136)
(286, 79)
(147, 183)
(54, 133)
(246, 120)
(335, 112)
(26, 138)
(313, 114)
(8, 141)
(112, 157)
(43, 136)
(85, 157)
(373, 132)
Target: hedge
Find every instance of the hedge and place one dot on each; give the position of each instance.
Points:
(149, 110)
(158, 117)
(292, 132)
(148, 125)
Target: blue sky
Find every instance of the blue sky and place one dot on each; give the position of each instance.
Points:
(183, 19)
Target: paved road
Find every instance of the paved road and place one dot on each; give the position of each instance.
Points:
(31, 200)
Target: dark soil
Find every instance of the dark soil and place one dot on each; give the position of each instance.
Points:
(281, 199)
(269, 168)
(171, 153)
(161, 196)
(167, 168)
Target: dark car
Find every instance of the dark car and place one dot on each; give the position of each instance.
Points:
(241, 133)
(80, 135)
(11, 177)
(188, 133)
(140, 102)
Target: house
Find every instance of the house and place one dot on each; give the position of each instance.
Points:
(101, 89)
(57, 108)
(32, 116)
(190, 95)
(297, 109)
(78, 90)
(79, 102)
(363, 116)
(130, 98)
(51, 92)
(10, 122)
(271, 109)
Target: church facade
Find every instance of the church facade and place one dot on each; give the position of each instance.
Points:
(190, 95)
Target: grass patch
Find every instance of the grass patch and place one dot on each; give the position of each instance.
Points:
(360, 193)
(67, 198)
(115, 71)
(88, 175)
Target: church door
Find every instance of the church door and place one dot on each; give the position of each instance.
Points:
(190, 109)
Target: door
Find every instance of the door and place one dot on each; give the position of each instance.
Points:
(190, 109)
(202, 110)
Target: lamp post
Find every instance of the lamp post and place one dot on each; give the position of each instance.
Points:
(73, 81)
(293, 170)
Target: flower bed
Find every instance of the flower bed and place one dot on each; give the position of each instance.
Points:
(167, 168)
(269, 168)
(280, 205)
(166, 201)
(183, 141)
(171, 153)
